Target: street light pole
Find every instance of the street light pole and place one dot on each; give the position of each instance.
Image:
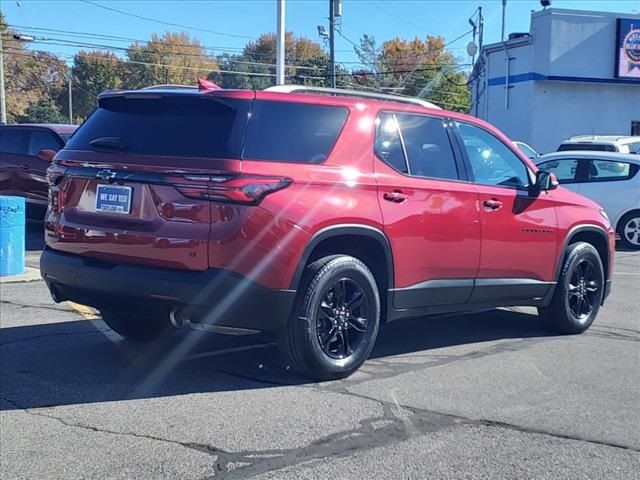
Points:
(332, 46)
(3, 100)
(280, 43)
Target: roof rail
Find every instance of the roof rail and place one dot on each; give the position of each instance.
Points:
(351, 93)
(168, 86)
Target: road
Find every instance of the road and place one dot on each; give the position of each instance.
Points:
(489, 395)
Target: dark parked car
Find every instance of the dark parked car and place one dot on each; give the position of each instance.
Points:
(315, 216)
(26, 152)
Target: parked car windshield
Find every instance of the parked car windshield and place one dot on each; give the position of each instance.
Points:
(600, 147)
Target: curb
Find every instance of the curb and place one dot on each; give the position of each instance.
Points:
(30, 275)
(87, 312)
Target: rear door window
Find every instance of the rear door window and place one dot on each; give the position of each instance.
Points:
(42, 141)
(388, 146)
(607, 171)
(14, 140)
(196, 126)
(429, 151)
(293, 132)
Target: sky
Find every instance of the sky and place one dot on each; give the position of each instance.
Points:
(227, 25)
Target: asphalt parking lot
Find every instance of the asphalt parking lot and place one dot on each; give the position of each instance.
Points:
(489, 395)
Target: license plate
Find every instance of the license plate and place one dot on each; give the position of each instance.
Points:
(113, 198)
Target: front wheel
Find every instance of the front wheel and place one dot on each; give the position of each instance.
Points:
(335, 322)
(578, 294)
(629, 230)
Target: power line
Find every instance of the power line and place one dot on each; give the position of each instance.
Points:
(162, 22)
(75, 43)
(116, 38)
(135, 62)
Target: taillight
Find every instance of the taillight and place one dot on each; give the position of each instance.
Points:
(55, 175)
(246, 189)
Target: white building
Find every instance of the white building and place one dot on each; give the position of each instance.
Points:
(575, 72)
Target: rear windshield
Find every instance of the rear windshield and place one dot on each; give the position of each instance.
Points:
(217, 128)
(599, 147)
(171, 126)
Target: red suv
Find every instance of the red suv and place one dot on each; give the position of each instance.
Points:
(318, 215)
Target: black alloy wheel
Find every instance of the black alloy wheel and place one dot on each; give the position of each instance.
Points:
(578, 294)
(334, 324)
(342, 319)
(584, 289)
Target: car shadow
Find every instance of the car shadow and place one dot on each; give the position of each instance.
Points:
(34, 235)
(77, 362)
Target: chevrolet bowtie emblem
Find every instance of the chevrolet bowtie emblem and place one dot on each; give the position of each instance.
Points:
(106, 174)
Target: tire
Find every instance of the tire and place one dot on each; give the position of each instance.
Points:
(138, 327)
(629, 230)
(335, 320)
(578, 294)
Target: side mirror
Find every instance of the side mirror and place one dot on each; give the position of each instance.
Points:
(46, 155)
(544, 181)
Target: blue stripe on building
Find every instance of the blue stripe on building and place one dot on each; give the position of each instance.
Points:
(529, 76)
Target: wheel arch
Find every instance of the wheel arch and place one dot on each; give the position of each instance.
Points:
(368, 244)
(621, 217)
(592, 234)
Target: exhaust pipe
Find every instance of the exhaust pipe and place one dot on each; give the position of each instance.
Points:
(175, 318)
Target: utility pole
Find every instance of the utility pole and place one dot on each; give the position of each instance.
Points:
(3, 100)
(70, 98)
(280, 43)
(332, 44)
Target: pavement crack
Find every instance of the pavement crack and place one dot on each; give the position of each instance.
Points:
(45, 335)
(395, 424)
(36, 307)
(203, 448)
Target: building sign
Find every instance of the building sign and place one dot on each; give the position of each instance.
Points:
(628, 49)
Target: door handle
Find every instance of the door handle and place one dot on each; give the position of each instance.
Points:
(396, 196)
(24, 166)
(492, 204)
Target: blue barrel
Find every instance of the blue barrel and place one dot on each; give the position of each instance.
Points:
(12, 231)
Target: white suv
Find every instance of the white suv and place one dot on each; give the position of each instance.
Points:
(611, 179)
(602, 143)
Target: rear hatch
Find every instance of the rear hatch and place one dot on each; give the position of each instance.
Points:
(134, 183)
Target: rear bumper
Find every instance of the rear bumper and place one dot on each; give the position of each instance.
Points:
(216, 297)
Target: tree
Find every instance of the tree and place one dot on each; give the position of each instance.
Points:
(42, 111)
(30, 77)
(307, 63)
(174, 58)
(422, 68)
(93, 73)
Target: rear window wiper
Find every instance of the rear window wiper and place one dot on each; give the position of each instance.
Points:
(113, 143)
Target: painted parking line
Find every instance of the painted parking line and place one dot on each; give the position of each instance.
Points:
(627, 273)
(87, 313)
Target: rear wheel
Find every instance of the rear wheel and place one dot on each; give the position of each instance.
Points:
(335, 323)
(629, 230)
(138, 326)
(578, 295)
